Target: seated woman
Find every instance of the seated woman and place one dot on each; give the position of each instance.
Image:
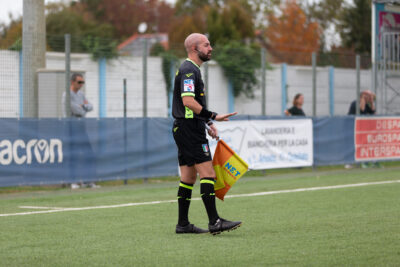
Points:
(296, 110)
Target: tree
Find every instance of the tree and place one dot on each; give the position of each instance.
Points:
(63, 19)
(291, 37)
(126, 15)
(187, 7)
(182, 26)
(258, 9)
(11, 35)
(327, 14)
(232, 22)
(223, 23)
(355, 26)
(229, 25)
(239, 63)
(88, 35)
(325, 11)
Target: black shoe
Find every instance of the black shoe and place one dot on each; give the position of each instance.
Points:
(189, 229)
(223, 225)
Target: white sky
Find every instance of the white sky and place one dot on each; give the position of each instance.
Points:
(14, 7)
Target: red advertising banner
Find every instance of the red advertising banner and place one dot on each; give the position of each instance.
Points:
(377, 138)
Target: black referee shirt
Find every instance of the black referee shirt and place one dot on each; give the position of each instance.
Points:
(188, 82)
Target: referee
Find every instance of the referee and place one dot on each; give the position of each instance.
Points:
(190, 112)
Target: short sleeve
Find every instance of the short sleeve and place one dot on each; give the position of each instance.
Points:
(188, 81)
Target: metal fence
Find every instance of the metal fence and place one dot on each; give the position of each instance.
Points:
(124, 78)
(388, 75)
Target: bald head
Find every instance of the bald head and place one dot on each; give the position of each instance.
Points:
(198, 48)
(193, 40)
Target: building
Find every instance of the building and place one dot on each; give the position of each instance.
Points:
(134, 45)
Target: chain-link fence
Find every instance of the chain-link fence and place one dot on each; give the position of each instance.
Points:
(33, 82)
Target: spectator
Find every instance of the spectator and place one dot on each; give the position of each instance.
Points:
(296, 110)
(79, 104)
(367, 105)
(82, 165)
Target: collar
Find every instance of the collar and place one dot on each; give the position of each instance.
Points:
(194, 63)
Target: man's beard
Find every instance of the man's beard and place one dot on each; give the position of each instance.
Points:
(203, 56)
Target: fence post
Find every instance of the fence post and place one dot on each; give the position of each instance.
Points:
(145, 78)
(314, 82)
(283, 88)
(206, 83)
(231, 97)
(125, 111)
(21, 85)
(358, 85)
(263, 84)
(125, 137)
(332, 90)
(67, 103)
(34, 55)
(171, 89)
(373, 77)
(145, 125)
(102, 88)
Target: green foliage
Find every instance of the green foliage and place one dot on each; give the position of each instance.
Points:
(100, 48)
(10, 34)
(231, 23)
(156, 50)
(169, 61)
(326, 13)
(263, 6)
(184, 7)
(182, 27)
(87, 35)
(17, 45)
(239, 63)
(355, 26)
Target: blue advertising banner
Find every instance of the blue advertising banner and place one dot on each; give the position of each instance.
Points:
(56, 151)
(333, 140)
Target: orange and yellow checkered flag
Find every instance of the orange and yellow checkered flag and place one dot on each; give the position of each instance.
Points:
(229, 167)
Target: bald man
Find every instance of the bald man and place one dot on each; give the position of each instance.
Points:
(191, 116)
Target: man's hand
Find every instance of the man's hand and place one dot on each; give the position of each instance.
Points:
(224, 117)
(369, 96)
(363, 102)
(212, 131)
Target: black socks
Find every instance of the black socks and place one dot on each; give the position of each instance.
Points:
(208, 196)
(184, 197)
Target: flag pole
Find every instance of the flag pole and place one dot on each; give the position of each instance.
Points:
(209, 128)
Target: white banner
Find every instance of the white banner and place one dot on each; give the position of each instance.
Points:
(268, 144)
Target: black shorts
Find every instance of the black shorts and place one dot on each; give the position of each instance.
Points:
(190, 137)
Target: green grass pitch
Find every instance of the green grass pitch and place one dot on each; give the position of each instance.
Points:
(355, 226)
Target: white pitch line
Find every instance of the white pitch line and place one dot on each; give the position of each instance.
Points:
(39, 208)
(172, 201)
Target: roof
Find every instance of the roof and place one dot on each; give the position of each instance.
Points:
(136, 36)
